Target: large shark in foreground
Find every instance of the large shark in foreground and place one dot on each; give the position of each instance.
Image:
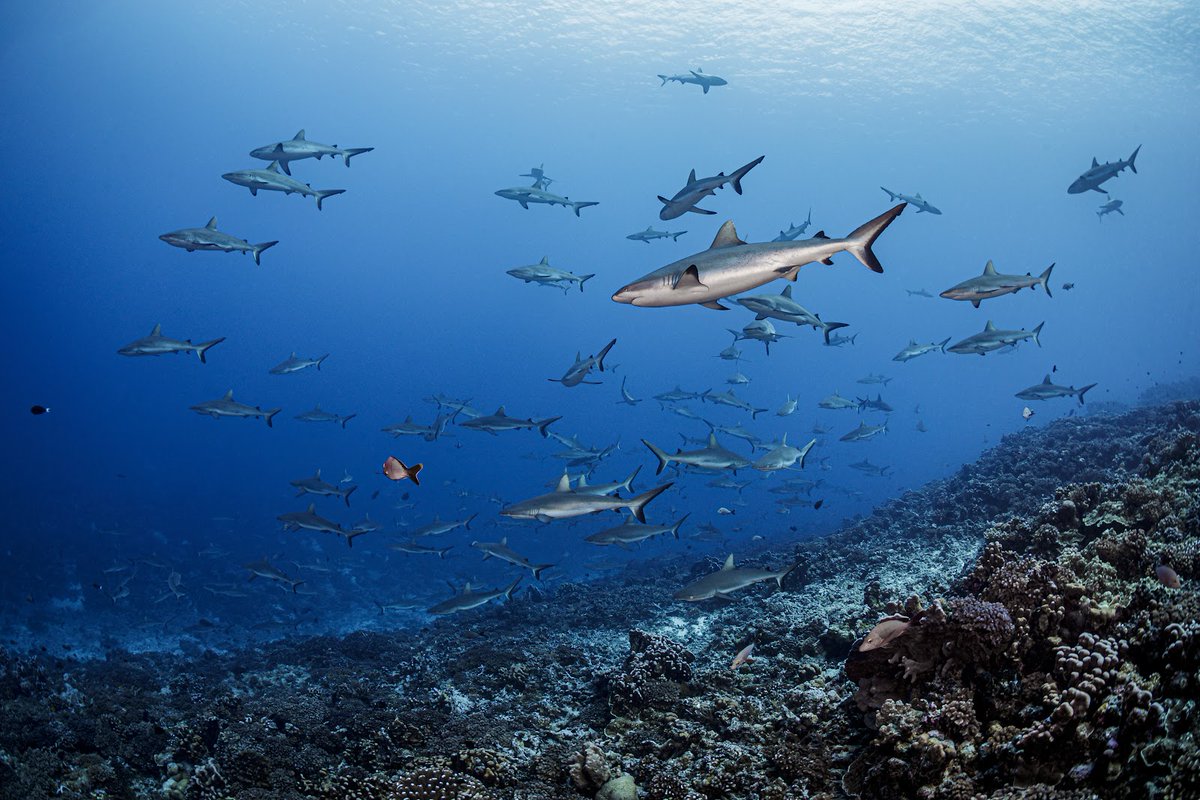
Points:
(991, 338)
(731, 266)
(696, 189)
(209, 238)
(272, 180)
(227, 407)
(156, 345)
(993, 284)
(1048, 391)
(729, 579)
(299, 147)
(1099, 173)
(696, 76)
(563, 503)
(468, 598)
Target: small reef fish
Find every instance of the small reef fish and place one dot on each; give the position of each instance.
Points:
(38, 410)
(1027, 412)
(884, 633)
(744, 656)
(1167, 576)
(396, 470)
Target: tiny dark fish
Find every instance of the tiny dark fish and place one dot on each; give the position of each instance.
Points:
(404, 496)
(375, 495)
(1054, 368)
(1167, 576)
(38, 410)
(818, 504)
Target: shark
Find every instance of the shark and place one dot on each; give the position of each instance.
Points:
(864, 432)
(788, 407)
(729, 579)
(294, 364)
(581, 456)
(871, 469)
(878, 404)
(731, 266)
(429, 433)
(696, 76)
(309, 520)
(545, 275)
(696, 189)
(1109, 207)
(712, 457)
(563, 503)
(794, 231)
(872, 378)
(920, 203)
(686, 413)
(468, 598)
(1098, 173)
(650, 235)
(837, 340)
(737, 432)
(458, 406)
(991, 338)
(502, 551)
(209, 238)
(731, 353)
(918, 293)
(156, 345)
(583, 487)
(318, 414)
(678, 395)
(417, 549)
(538, 194)
(835, 402)
(782, 307)
(632, 532)
(227, 407)
(440, 526)
(738, 379)
(993, 284)
(783, 456)
(272, 180)
(578, 372)
(728, 398)
(540, 179)
(1046, 390)
(314, 485)
(761, 330)
(264, 569)
(626, 397)
(299, 147)
(495, 423)
(912, 349)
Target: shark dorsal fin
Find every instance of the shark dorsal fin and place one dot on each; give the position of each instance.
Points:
(312, 508)
(293, 355)
(1095, 163)
(466, 588)
(787, 292)
(918, 196)
(912, 342)
(989, 268)
(726, 237)
(504, 541)
(990, 326)
(229, 395)
(273, 167)
(318, 475)
(583, 481)
(299, 137)
(564, 483)
(408, 419)
(212, 224)
(649, 228)
(1046, 382)
(157, 330)
(783, 441)
(712, 440)
(692, 176)
(820, 235)
(728, 563)
(688, 279)
(317, 407)
(545, 261)
(500, 412)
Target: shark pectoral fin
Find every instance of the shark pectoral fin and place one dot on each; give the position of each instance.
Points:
(791, 273)
(696, 210)
(524, 205)
(543, 518)
(254, 191)
(827, 262)
(689, 279)
(975, 303)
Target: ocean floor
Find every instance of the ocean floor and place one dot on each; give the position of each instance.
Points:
(1026, 628)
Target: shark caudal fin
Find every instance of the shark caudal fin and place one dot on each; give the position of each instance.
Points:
(1037, 339)
(578, 204)
(1045, 279)
(259, 248)
(346, 496)
(201, 349)
(664, 460)
(675, 528)
(664, 80)
(512, 587)
(943, 344)
(627, 484)
(1131, 160)
(858, 243)
(891, 195)
(269, 415)
(538, 569)
(833, 326)
(1084, 391)
(638, 504)
(603, 353)
(323, 193)
(546, 423)
(346, 419)
(350, 152)
(675, 236)
(584, 279)
(736, 178)
(322, 359)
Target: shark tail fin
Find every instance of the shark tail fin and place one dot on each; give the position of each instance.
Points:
(350, 152)
(1045, 279)
(603, 353)
(347, 419)
(675, 236)
(943, 343)
(584, 279)
(638, 504)
(201, 349)
(442, 553)
(269, 415)
(346, 496)
(833, 326)
(546, 423)
(675, 528)
(891, 195)
(512, 587)
(538, 569)
(781, 575)
(323, 193)
(259, 248)
(578, 204)
(664, 80)
(1037, 334)
(859, 242)
(321, 360)
(295, 584)
(1084, 391)
(627, 484)
(736, 178)
(663, 458)
(1132, 158)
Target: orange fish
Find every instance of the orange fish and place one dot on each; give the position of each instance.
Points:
(1167, 576)
(888, 629)
(394, 468)
(743, 657)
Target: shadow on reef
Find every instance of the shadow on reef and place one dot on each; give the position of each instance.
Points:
(1005, 633)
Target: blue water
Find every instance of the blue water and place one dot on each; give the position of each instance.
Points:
(119, 120)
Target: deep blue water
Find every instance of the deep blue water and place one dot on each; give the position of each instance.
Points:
(120, 119)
